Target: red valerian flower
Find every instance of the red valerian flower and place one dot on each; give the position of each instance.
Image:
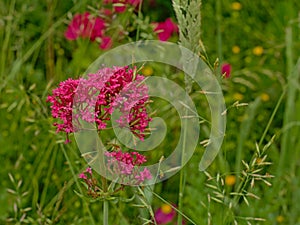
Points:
(88, 26)
(106, 43)
(98, 96)
(165, 29)
(166, 214)
(226, 70)
(62, 103)
(124, 165)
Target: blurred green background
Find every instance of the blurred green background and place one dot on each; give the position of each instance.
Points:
(261, 42)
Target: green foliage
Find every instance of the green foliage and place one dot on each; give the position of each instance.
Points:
(40, 174)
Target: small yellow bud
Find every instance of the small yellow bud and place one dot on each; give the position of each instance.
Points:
(236, 6)
(230, 180)
(258, 50)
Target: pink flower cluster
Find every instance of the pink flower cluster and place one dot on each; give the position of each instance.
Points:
(166, 214)
(91, 183)
(62, 103)
(96, 98)
(88, 26)
(95, 28)
(124, 165)
(165, 29)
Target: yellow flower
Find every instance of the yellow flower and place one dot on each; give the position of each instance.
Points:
(236, 49)
(236, 6)
(279, 219)
(258, 50)
(166, 209)
(238, 96)
(147, 71)
(265, 97)
(230, 180)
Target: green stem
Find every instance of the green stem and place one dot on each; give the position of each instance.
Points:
(181, 179)
(77, 183)
(105, 212)
(272, 117)
(286, 140)
(5, 44)
(139, 16)
(219, 33)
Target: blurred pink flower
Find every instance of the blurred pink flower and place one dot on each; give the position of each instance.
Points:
(85, 26)
(88, 26)
(226, 70)
(165, 29)
(164, 214)
(106, 43)
(120, 5)
(82, 176)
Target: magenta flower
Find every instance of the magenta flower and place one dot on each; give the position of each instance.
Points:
(106, 43)
(98, 96)
(88, 26)
(85, 26)
(226, 70)
(124, 166)
(62, 103)
(82, 176)
(89, 170)
(165, 214)
(165, 29)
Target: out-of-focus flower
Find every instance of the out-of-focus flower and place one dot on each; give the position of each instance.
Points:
(236, 49)
(265, 97)
(258, 50)
(89, 170)
(226, 70)
(82, 176)
(121, 5)
(238, 96)
(106, 43)
(230, 180)
(86, 26)
(236, 6)
(165, 29)
(280, 219)
(164, 214)
(147, 71)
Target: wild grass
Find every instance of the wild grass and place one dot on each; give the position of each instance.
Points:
(40, 174)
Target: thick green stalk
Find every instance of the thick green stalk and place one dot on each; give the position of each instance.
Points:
(105, 212)
(182, 177)
(189, 19)
(286, 141)
(105, 202)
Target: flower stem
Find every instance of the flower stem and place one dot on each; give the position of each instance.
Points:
(105, 212)
(105, 202)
